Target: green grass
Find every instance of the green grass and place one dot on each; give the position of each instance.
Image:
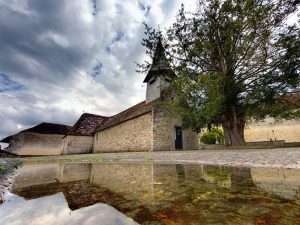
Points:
(2, 168)
(15, 164)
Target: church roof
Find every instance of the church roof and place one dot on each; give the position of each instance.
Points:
(44, 128)
(160, 63)
(130, 113)
(86, 124)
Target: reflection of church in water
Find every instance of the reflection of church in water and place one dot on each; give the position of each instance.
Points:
(148, 188)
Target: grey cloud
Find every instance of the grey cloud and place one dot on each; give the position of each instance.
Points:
(60, 58)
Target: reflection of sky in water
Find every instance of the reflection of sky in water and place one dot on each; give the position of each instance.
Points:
(54, 210)
(112, 193)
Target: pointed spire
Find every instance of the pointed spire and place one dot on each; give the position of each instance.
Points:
(159, 59)
(160, 62)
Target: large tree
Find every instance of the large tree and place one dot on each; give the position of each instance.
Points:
(234, 60)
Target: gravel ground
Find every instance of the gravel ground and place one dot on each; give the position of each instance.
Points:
(274, 158)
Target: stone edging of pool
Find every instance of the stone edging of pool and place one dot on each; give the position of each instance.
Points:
(8, 171)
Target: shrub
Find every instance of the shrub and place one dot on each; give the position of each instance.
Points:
(208, 138)
(211, 137)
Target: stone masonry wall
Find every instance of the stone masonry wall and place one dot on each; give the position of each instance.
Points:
(36, 174)
(164, 132)
(135, 181)
(284, 183)
(27, 143)
(153, 90)
(288, 130)
(132, 135)
(190, 140)
(72, 144)
(69, 172)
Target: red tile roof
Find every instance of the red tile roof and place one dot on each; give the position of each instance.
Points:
(44, 128)
(86, 124)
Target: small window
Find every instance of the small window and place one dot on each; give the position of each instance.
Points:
(97, 137)
(152, 81)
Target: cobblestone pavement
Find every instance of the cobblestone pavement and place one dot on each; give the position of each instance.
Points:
(275, 158)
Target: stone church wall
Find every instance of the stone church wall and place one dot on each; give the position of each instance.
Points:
(70, 172)
(131, 135)
(154, 88)
(118, 178)
(36, 174)
(72, 144)
(269, 129)
(164, 132)
(27, 143)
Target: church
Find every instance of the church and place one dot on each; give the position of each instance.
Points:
(147, 126)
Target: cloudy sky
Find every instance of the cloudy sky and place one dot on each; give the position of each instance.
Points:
(60, 58)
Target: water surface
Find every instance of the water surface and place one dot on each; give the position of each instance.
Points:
(136, 193)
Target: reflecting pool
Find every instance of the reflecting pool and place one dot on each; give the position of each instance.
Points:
(147, 193)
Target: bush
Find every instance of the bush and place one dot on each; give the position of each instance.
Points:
(211, 137)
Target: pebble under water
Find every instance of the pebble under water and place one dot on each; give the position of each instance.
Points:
(149, 193)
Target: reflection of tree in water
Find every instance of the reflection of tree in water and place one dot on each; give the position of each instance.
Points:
(219, 175)
(241, 178)
(237, 177)
(180, 173)
(162, 194)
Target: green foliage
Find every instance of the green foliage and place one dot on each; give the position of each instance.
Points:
(220, 175)
(210, 137)
(2, 168)
(15, 165)
(234, 60)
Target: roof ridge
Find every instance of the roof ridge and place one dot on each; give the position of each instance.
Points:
(128, 108)
(92, 114)
(128, 114)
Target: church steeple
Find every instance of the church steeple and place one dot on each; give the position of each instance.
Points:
(159, 63)
(160, 74)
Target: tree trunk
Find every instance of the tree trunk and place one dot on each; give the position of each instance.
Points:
(233, 127)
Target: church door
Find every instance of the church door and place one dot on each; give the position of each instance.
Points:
(178, 138)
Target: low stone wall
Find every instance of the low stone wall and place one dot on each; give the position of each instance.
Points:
(164, 132)
(27, 143)
(72, 144)
(284, 183)
(132, 135)
(277, 143)
(269, 129)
